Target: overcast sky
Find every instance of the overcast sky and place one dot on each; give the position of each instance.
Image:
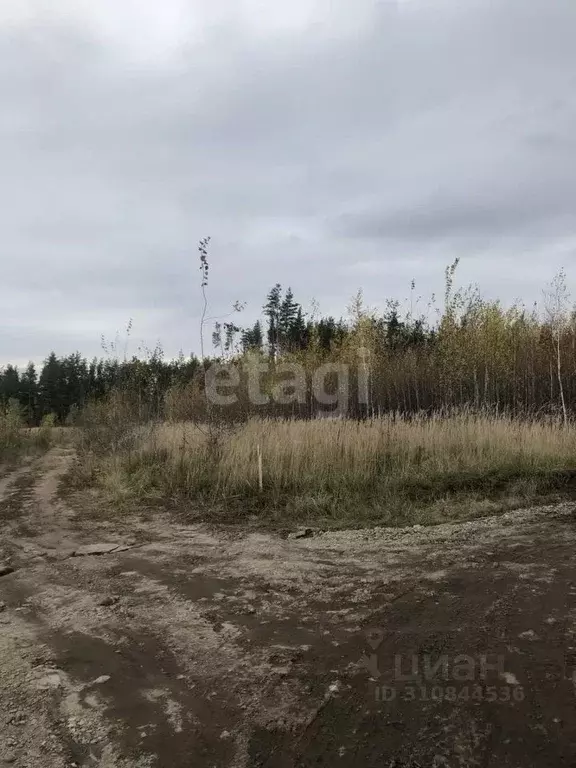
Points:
(323, 144)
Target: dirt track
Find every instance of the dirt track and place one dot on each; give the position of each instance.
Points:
(153, 644)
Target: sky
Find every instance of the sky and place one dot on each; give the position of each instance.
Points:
(328, 145)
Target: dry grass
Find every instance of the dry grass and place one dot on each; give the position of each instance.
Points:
(16, 440)
(330, 453)
(388, 470)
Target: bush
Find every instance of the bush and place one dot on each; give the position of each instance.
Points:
(11, 430)
(45, 433)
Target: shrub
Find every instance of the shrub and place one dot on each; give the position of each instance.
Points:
(11, 430)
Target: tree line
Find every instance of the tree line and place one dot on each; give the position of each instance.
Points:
(64, 385)
(469, 353)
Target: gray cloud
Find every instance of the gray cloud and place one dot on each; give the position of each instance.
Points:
(314, 156)
(492, 214)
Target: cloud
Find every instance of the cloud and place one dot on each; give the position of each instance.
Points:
(490, 214)
(321, 145)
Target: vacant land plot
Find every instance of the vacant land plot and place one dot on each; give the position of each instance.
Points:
(393, 470)
(143, 642)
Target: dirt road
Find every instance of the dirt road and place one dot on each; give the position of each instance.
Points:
(138, 643)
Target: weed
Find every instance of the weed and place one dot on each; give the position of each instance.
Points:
(387, 471)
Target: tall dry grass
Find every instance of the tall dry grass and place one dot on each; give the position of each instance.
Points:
(391, 469)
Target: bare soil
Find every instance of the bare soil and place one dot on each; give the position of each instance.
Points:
(140, 642)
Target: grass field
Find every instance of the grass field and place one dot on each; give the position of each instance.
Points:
(336, 472)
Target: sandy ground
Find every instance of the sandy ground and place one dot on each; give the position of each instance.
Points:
(134, 643)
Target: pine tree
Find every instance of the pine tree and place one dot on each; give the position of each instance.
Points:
(75, 382)
(252, 338)
(330, 333)
(9, 385)
(50, 387)
(298, 334)
(272, 312)
(286, 319)
(29, 393)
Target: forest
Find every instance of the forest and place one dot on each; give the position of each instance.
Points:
(469, 352)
